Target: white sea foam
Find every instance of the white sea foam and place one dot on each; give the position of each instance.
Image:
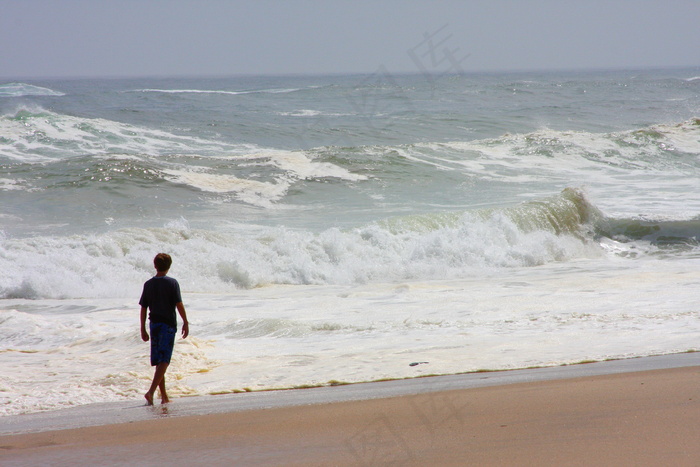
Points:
(254, 192)
(295, 165)
(224, 92)
(298, 164)
(62, 353)
(88, 354)
(301, 113)
(416, 248)
(9, 185)
(22, 89)
(312, 113)
(607, 164)
(33, 134)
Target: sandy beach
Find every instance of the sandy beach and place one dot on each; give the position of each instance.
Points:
(622, 418)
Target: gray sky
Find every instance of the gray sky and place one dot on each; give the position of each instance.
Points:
(218, 37)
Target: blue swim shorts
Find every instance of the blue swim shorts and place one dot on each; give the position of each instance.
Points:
(162, 343)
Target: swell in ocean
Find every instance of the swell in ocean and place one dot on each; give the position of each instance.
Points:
(89, 199)
(50, 155)
(340, 228)
(436, 246)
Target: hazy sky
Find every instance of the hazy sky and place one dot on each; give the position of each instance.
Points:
(53, 38)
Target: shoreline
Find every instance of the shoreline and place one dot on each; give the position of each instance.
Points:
(109, 413)
(644, 410)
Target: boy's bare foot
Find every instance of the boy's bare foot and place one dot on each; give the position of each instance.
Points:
(149, 398)
(164, 400)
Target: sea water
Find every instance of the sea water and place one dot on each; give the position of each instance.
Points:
(344, 228)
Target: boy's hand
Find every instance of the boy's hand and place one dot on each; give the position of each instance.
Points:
(185, 330)
(144, 335)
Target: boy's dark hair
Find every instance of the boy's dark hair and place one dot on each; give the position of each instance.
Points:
(162, 262)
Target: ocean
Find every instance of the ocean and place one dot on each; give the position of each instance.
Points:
(344, 228)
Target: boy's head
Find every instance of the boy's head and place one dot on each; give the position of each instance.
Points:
(162, 262)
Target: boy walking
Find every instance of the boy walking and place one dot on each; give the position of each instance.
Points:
(161, 294)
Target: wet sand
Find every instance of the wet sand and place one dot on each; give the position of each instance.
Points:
(631, 418)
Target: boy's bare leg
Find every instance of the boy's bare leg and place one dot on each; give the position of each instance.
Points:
(158, 377)
(163, 395)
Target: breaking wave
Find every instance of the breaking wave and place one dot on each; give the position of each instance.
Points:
(427, 247)
(22, 89)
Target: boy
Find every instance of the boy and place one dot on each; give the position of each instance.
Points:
(161, 294)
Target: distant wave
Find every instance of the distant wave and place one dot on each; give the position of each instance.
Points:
(659, 146)
(22, 89)
(131, 154)
(694, 78)
(233, 93)
(33, 134)
(311, 113)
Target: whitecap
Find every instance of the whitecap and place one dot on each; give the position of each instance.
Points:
(226, 92)
(253, 192)
(22, 89)
(298, 164)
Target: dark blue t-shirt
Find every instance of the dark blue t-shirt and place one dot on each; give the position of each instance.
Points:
(160, 295)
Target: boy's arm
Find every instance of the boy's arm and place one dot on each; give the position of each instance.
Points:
(185, 324)
(144, 333)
